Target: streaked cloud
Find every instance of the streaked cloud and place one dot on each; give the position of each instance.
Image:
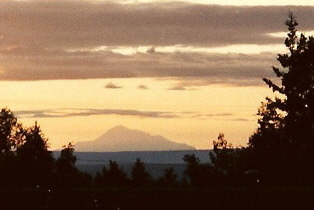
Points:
(89, 112)
(112, 86)
(242, 119)
(180, 87)
(177, 88)
(142, 87)
(236, 69)
(74, 24)
(220, 115)
(70, 112)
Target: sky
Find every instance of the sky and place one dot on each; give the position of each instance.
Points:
(186, 70)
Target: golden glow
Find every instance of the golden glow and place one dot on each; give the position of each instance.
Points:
(237, 48)
(284, 34)
(201, 113)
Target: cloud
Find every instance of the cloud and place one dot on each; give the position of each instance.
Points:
(75, 24)
(181, 87)
(111, 65)
(89, 112)
(192, 69)
(142, 87)
(74, 112)
(204, 116)
(78, 40)
(177, 88)
(241, 119)
(220, 115)
(112, 86)
(151, 50)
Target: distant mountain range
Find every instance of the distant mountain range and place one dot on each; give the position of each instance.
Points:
(120, 138)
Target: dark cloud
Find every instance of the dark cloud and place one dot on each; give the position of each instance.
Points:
(112, 86)
(88, 112)
(54, 40)
(151, 50)
(85, 24)
(177, 88)
(180, 87)
(142, 87)
(220, 115)
(241, 119)
(192, 69)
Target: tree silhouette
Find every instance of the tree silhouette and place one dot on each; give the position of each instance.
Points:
(284, 141)
(9, 132)
(67, 175)
(198, 174)
(296, 86)
(114, 176)
(25, 160)
(223, 156)
(35, 161)
(228, 164)
(9, 135)
(140, 177)
(169, 178)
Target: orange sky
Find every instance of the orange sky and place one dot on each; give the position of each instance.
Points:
(78, 110)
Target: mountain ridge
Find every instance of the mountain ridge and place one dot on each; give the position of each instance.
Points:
(120, 138)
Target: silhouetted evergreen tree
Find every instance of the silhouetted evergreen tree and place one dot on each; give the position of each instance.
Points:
(9, 136)
(284, 141)
(297, 81)
(199, 174)
(67, 175)
(8, 127)
(34, 159)
(228, 165)
(222, 157)
(268, 143)
(224, 162)
(114, 176)
(169, 178)
(25, 160)
(139, 176)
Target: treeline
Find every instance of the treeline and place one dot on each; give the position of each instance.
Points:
(26, 162)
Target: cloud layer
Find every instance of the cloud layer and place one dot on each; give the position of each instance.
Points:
(77, 40)
(89, 112)
(70, 112)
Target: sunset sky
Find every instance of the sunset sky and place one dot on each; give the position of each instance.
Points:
(186, 70)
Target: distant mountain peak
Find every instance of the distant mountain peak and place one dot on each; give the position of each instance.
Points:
(121, 138)
(118, 128)
(122, 129)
